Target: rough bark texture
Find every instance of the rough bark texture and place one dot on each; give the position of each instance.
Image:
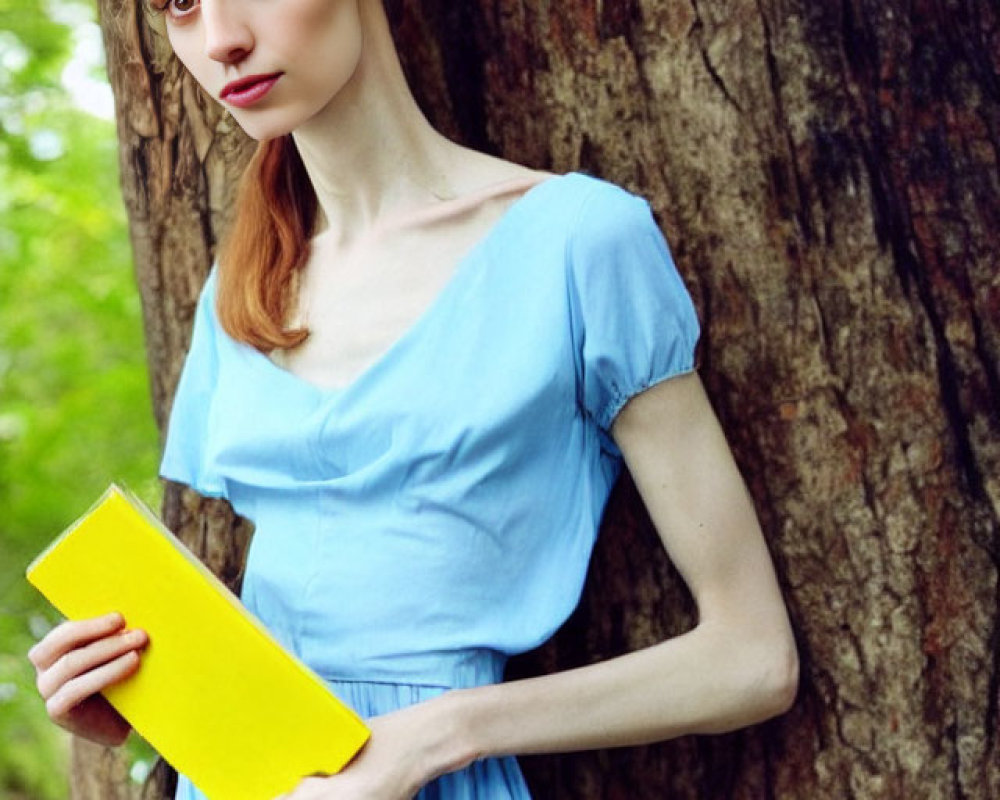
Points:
(827, 175)
(180, 159)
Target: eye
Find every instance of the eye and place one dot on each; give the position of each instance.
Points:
(181, 8)
(175, 9)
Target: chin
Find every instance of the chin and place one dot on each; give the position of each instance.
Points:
(263, 129)
(263, 135)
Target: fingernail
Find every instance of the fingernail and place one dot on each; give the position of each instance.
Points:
(114, 616)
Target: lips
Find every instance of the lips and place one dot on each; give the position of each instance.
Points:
(249, 89)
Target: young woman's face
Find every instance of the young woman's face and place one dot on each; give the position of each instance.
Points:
(298, 54)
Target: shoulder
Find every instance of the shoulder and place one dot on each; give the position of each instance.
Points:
(205, 314)
(584, 223)
(205, 327)
(208, 289)
(598, 194)
(597, 214)
(604, 222)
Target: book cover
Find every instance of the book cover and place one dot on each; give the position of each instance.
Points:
(215, 694)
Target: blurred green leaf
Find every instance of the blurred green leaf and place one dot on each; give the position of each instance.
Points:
(74, 392)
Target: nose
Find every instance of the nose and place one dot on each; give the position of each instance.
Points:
(228, 38)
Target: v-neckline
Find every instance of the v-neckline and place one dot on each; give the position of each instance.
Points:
(397, 344)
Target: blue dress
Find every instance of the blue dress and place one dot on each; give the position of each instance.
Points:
(437, 514)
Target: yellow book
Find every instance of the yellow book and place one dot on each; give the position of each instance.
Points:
(215, 694)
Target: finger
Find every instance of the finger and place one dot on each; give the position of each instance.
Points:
(72, 693)
(75, 662)
(70, 634)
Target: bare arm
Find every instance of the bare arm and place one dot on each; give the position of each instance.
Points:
(738, 665)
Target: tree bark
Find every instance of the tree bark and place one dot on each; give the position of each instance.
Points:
(180, 157)
(827, 176)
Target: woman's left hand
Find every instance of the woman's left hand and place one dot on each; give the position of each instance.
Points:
(401, 756)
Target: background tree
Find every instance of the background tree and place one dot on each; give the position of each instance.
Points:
(827, 175)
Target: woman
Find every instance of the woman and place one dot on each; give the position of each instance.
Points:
(418, 369)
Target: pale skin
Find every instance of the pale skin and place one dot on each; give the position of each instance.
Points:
(377, 165)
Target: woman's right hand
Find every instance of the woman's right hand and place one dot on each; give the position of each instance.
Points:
(74, 662)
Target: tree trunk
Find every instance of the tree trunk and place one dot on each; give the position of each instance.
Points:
(827, 175)
(180, 158)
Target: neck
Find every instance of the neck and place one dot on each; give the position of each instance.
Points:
(371, 153)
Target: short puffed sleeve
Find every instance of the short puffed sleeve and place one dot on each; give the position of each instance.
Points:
(185, 451)
(633, 319)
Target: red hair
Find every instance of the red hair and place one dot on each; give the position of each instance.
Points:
(266, 246)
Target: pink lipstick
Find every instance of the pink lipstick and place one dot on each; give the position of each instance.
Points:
(247, 91)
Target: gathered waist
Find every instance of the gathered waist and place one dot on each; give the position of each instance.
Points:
(383, 690)
(432, 670)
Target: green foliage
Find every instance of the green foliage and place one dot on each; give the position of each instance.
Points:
(74, 393)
